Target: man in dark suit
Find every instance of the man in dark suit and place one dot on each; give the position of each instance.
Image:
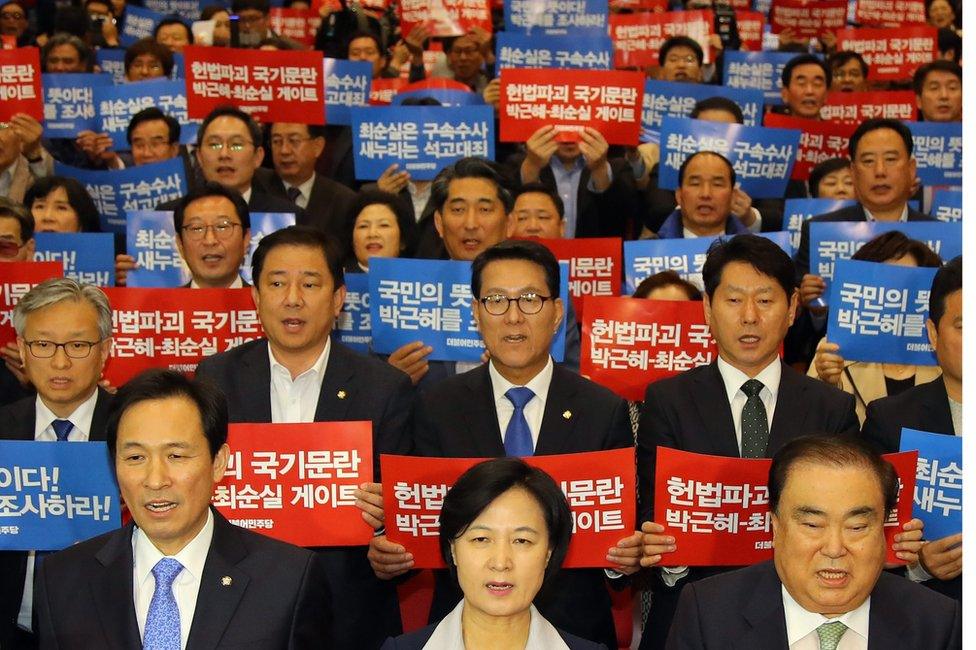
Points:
(63, 334)
(298, 374)
(180, 575)
(829, 497)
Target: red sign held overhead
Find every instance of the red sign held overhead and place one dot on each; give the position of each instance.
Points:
(638, 37)
(381, 91)
(445, 17)
(20, 83)
(891, 54)
(889, 13)
(808, 18)
(820, 140)
(751, 26)
(657, 6)
(16, 279)
(297, 24)
(854, 108)
(594, 266)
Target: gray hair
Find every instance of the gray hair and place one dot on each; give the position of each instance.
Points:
(85, 54)
(55, 290)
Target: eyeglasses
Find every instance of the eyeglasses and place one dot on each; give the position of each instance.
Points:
(222, 230)
(146, 66)
(528, 303)
(12, 15)
(74, 349)
(294, 141)
(236, 146)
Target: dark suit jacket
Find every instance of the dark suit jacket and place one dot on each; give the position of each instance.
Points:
(365, 609)
(417, 640)
(18, 424)
(744, 610)
(457, 419)
(328, 205)
(277, 598)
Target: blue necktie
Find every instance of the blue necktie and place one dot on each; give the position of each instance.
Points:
(62, 428)
(518, 438)
(163, 620)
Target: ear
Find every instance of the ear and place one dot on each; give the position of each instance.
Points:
(319, 144)
(338, 300)
(255, 294)
(783, 92)
(775, 521)
(247, 239)
(439, 223)
(794, 303)
(558, 315)
(258, 156)
(707, 307)
(510, 228)
(30, 246)
(933, 332)
(220, 462)
(678, 197)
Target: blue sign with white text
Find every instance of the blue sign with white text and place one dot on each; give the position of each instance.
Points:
(263, 223)
(151, 240)
(88, 257)
(352, 326)
(138, 23)
(69, 103)
(938, 152)
(514, 50)
(675, 99)
(947, 205)
(557, 17)
(759, 70)
(444, 96)
(938, 481)
(796, 211)
(346, 85)
(115, 106)
(187, 9)
(111, 61)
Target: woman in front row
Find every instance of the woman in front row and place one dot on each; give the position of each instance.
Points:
(504, 531)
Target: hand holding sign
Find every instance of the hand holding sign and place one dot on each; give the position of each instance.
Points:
(594, 148)
(412, 359)
(656, 544)
(539, 148)
(387, 558)
(942, 558)
(828, 362)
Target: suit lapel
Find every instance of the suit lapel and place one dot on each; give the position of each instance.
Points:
(337, 390)
(764, 614)
(790, 409)
(557, 430)
(935, 407)
(255, 382)
(100, 416)
(112, 591)
(714, 412)
(482, 417)
(887, 616)
(25, 419)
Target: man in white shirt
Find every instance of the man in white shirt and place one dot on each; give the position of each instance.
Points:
(825, 588)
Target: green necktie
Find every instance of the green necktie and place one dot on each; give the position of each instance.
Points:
(830, 634)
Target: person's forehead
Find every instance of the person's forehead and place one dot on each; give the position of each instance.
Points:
(287, 128)
(65, 49)
(13, 5)
(227, 125)
(216, 206)
(535, 200)
(362, 42)
(940, 77)
(472, 189)
(849, 65)
(150, 127)
(807, 70)
(519, 273)
(883, 139)
(291, 258)
(707, 164)
(681, 51)
(744, 275)
(80, 314)
(804, 478)
(464, 42)
(146, 58)
(9, 226)
(175, 27)
(140, 423)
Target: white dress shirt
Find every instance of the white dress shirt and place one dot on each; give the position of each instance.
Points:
(733, 378)
(449, 633)
(305, 191)
(419, 198)
(238, 283)
(801, 626)
(295, 400)
(870, 217)
(534, 408)
(186, 586)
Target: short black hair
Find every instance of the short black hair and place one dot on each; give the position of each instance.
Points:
(314, 130)
(822, 169)
(478, 487)
(517, 249)
(667, 278)
(149, 46)
(365, 33)
(264, 6)
(680, 41)
(894, 244)
(10, 209)
(837, 59)
(299, 236)
(208, 12)
(687, 161)
(758, 252)
(939, 65)
(718, 104)
(404, 218)
(876, 123)
(471, 167)
(950, 41)
(78, 197)
(85, 54)
(836, 451)
(228, 110)
(210, 188)
(149, 115)
(541, 188)
(804, 59)
(174, 20)
(948, 280)
(157, 384)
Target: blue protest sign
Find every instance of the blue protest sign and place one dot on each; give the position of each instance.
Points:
(878, 312)
(69, 103)
(430, 300)
(445, 96)
(187, 9)
(347, 84)
(579, 18)
(115, 106)
(352, 326)
(263, 223)
(938, 481)
(138, 23)
(53, 495)
(947, 205)
(762, 157)
(675, 99)
(88, 257)
(938, 152)
(111, 61)
(796, 211)
(514, 50)
(151, 240)
(759, 70)
(421, 139)
(117, 192)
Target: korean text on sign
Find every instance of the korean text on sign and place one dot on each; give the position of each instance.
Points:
(556, 17)
(854, 108)
(16, 279)
(938, 481)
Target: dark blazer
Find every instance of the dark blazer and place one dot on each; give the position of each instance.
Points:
(276, 599)
(744, 610)
(416, 640)
(457, 419)
(328, 204)
(673, 226)
(365, 608)
(19, 421)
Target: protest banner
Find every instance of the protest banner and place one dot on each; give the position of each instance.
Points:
(444, 17)
(556, 17)
(347, 85)
(855, 107)
(637, 37)
(55, 495)
(938, 481)
(891, 54)
(352, 326)
(295, 482)
(607, 100)
(752, 26)
(796, 211)
(763, 158)
(382, 91)
(69, 103)
(819, 141)
(255, 81)
(187, 9)
(116, 105)
(300, 25)
(947, 205)
(807, 19)
(20, 83)
(138, 23)
(175, 328)
(534, 51)
(433, 58)
(654, 5)
(598, 485)
(421, 139)
(629, 343)
(594, 265)
(446, 91)
(889, 13)
(16, 279)
(111, 61)
(938, 152)
(151, 240)
(758, 70)
(87, 257)
(677, 99)
(262, 224)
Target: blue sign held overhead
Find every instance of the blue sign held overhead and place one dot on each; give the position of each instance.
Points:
(347, 85)
(115, 106)
(938, 152)
(947, 205)
(938, 481)
(675, 99)
(759, 70)
(88, 257)
(138, 23)
(444, 96)
(557, 18)
(151, 240)
(263, 223)
(796, 211)
(111, 61)
(189, 10)
(69, 103)
(352, 326)
(514, 50)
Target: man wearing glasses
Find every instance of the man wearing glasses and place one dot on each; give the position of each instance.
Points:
(64, 334)
(213, 230)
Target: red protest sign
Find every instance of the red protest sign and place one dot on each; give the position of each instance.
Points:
(594, 266)
(432, 57)
(630, 342)
(638, 37)
(175, 328)
(657, 6)
(256, 81)
(607, 100)
(297, 24)
(599, 486)
(854, 108)
(889, 13)
(891, 54)
(20, 83)
(904, 463)
(819, 140)
(751, 26)
(332, 5)
(16, 279)
(295, 482)
(808, 18)
(445, 17)
(381, 91)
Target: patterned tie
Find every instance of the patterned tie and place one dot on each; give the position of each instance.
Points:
(62, 428)
(755, 429)
(163, 621)
(518, 438)
(830, 634)
(293, 194)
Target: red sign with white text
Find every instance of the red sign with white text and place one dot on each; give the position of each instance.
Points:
(175, 328)
(599, 486)
(629, 343)
(751, 25)
(607, 100)
(717, 507)
(16, 279)
(295, 482)
(20, 83)
(808, 18)
(297, 24)
(445, 17)
(854, 108)
(889, 13)
(819, 140)
(891, 54)
(594, 266)
(657, 6)
(381, 91)
(279, 86)
(638, 37)
(432, 56)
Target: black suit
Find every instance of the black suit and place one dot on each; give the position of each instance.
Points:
(457, 419)
(276, 597)
(328, 205)
(18, 424)
(365, 608)
(744, 610)
(691, 412)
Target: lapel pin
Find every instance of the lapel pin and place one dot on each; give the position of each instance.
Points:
(226, 581)
(567, 415)
(341, 394)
